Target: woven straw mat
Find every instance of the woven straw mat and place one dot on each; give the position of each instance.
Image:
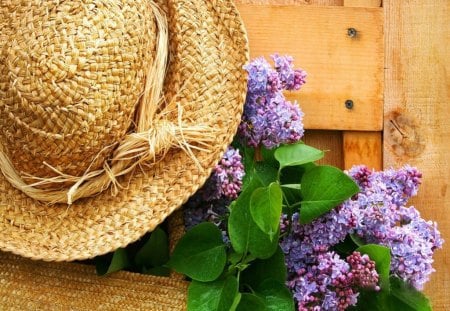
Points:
(208, 48)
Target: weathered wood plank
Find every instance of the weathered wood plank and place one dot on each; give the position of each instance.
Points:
(363, 148)
(363, 3)
(417, 113)
(328, 141)
(310, 2)
(340, 67)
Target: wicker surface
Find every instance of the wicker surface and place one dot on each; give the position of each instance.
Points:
(208, 48)
(36, 285)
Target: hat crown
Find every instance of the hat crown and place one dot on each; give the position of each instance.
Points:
(71, 74)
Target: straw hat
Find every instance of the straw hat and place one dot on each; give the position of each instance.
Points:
(110, 117)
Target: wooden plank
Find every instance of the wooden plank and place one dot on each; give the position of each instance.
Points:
(328, 141)
(363, 148)
(363, 3)
(340, 67)
(417, 114)
(303, 2)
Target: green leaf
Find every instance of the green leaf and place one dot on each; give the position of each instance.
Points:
(401, 297)
(323, 188)
(262, 269)
(345, 247)
(155, 252)
(236, 301)
(266, 173)
(200, 254)
(159, 271)
(409, 296)
(245, 235)
(357, 239)
(292, 186)
(248, 155)
(382, 257)
(212, 296)
(112, 262)
(297, 154)
(251, 302)
(276, 296)
(265, 208)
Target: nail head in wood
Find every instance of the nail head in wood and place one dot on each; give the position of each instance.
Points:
(352, 32)
(349, 104)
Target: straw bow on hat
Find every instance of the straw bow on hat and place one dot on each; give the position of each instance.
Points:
(112, 113)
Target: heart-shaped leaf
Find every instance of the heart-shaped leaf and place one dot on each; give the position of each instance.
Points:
(219, 295)
(265, 208)
(245, 235)
(297, 154)
(202, 244)
(323, 188)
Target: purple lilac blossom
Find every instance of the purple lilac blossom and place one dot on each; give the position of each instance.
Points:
(384, 219)
(226, 179)
(329, 282)
(378, 215)
(269, 119)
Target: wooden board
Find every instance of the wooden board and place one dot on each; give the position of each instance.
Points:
(328, 141)
(417, 114)
(363, 147)
(363, 3)
(303, 2)
(340, 67)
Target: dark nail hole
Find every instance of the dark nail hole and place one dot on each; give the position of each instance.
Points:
(349, 104)
(352, 32)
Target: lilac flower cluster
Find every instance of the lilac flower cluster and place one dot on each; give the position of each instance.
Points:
(384, 219)
(211, 202)
(318, 277)
(226, 179)
(269, 119)
(328, 282)
(305, 241)
(378, 215)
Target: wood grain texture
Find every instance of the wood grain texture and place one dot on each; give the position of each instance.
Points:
(340, 67)
(363, 3)
(284, 2)
(363, 148)
(417, 114)
(328, 141)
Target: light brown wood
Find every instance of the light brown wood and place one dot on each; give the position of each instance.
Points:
(417, 114)
(283, 2)
(363, 3)
(340, 67)
(363, 148)
(328, 141)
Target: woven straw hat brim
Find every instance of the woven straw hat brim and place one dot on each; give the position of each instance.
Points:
(208, 48)
(37, 285)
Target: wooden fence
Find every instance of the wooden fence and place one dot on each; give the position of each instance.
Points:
(393, 64)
